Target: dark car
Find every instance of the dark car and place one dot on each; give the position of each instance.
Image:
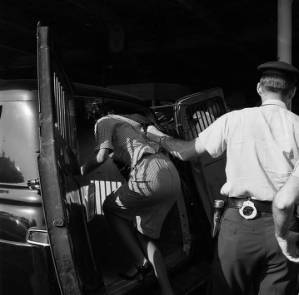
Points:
(53, 235)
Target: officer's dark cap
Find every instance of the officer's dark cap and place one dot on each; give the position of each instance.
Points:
(279, 68)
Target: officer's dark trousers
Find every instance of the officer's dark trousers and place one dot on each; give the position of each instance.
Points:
(249, 260)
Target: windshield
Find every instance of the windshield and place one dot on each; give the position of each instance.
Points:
(18, 140)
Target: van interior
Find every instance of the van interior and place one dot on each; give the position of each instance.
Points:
(110, 255)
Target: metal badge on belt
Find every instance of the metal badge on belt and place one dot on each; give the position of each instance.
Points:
(248, 210)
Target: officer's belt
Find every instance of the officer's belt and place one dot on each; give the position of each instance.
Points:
(261, 206)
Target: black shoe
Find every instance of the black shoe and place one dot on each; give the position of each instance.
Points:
(140, 272)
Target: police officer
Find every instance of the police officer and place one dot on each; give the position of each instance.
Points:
(262, 147)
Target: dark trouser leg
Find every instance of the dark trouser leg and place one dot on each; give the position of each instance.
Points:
(248, 260)
(238, 253)
(124, 230)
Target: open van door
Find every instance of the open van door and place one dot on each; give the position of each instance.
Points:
(194, 113)
(63, 205)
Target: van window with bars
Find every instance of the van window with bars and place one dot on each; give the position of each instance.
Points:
(200, 116)
(165, 117)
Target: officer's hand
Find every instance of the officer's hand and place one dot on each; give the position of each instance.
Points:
(154, 134)
(289, 246)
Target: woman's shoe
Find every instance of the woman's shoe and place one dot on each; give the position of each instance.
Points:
(140, 272)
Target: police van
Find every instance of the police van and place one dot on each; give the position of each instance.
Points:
(54, 238)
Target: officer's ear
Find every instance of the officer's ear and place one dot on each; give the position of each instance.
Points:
(259, 89)
(288, 99)
(293, 92)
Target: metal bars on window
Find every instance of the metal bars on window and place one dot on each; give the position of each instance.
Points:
(165, 118)
(102, 189)
(200, 116)
(63, 122)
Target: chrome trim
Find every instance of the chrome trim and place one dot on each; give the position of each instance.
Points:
(17, 95)
(33, 242)
(8, 242)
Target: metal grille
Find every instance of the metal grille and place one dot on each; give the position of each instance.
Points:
(64, 123)
(200, 116)
(100, 189)
(165, 118)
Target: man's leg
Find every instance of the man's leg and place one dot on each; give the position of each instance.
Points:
(120, 212)
(240, 249)
(125, 231)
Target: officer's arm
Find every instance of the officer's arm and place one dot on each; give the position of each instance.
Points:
(182, 149)
(283, 206)
(95, 161)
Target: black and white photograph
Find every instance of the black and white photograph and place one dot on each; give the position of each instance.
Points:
(149, 147)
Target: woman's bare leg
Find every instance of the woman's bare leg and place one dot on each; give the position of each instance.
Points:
(155, 257)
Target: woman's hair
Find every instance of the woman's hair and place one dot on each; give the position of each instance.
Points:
(95, 111)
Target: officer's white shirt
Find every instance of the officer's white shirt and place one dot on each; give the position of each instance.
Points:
(296, 170)
(262, 146)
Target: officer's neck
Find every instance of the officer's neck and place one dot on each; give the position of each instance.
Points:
(271, 96)
(266, 96)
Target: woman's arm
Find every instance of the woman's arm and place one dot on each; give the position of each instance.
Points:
(95, 161)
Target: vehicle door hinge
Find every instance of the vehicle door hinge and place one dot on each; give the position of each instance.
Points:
(58, 222)
(34, 184)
